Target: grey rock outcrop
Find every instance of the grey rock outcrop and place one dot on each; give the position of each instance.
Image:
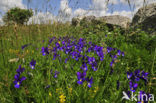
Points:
(76, 21)
(117, 20)
(112, 20)
(146, 18)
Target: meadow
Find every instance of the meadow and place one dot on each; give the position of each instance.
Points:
(61, 63)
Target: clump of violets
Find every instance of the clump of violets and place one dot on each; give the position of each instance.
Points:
(81, 78)
(32, 64)
(18, 80)
(78, 50)
(135, 77)
(114, 54)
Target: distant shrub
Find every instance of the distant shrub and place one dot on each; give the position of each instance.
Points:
(17, 15)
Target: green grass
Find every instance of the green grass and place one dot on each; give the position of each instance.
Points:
(139, 49)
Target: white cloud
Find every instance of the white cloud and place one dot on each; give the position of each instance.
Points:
(80, 12)
(7, 4)
(42, 18)
(65, 7)
(135, 3)
(65, 11)
(98, 8)
(138, 3)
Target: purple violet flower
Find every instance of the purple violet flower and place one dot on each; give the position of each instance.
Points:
(91, 60)
(84, 67)
(144, 75)
(20, 69)
(56, 74)
(90, 81)
(18, 80)
(32, 64)
(137, 74)
(109, 49)
(133, 86)
(129, 75)
(94, 66)
(81, 77)
(122, 53)
(111, 63)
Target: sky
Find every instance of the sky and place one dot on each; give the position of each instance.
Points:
(65, 10)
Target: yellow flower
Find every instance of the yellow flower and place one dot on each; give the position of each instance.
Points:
(59, 42)
(62, 98)
(50, 94)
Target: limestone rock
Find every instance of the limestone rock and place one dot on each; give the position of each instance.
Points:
(121, 21)
(113, 20)
(146, 18)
